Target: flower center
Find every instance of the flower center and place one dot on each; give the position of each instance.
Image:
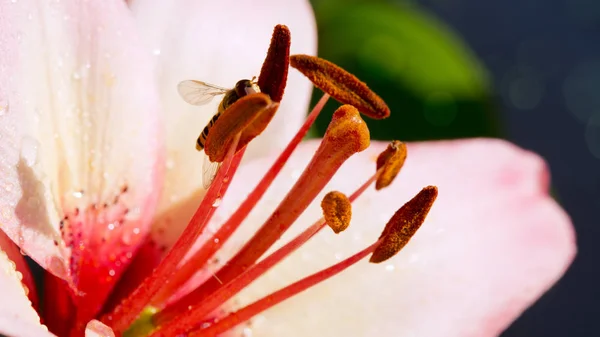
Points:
(151, 308)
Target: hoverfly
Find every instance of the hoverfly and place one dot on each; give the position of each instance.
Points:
(200, 93)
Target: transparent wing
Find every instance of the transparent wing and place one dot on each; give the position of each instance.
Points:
(198, 93)
(209, 172)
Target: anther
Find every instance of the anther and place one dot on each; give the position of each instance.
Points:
(233, 121)
(272, 81)
(404, 224)
(274, 71)
(337, 211)
(390, 161)
(341, 85)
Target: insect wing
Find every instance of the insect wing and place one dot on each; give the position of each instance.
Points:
(197, 92)
(209, 172)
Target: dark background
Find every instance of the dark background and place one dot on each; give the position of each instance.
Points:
(532, 76)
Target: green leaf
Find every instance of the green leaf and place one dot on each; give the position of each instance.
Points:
(433, 83)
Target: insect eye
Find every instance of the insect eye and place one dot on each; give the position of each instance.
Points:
(241, 87)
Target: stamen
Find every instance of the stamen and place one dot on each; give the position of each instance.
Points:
(341, 85)
(274, 71)
(272, 81)
(129, 308)
(233, 121)
(425, 198)
(347, 134)
(391, 160)
(212, 245)
(337, 211)
(173, 321)
(404, 224)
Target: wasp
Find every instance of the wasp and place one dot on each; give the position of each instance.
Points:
(200, 93)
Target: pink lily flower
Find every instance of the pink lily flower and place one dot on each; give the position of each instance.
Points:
(100, 178)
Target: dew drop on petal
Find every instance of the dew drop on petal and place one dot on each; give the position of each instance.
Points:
(111, 272)
(217, 202)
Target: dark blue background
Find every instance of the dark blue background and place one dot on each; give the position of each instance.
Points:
(553, 48)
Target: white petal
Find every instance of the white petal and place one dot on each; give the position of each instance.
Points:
(218, 42)
(17, 317)
(493, 243)
(80, 114)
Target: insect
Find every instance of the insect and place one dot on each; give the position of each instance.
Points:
(200, 93)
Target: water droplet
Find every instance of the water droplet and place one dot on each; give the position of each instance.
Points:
(29, 150)
(216, 240)
(111, 226)
(136, 231)
(217, 202)
(78, 194)
(111, 272)
(247, 332)
(156, 51)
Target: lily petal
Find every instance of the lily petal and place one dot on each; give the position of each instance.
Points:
(17, 316)
(219, 42)
(493, 242)
(79, 122)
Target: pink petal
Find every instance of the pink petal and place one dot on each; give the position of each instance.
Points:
(493, 243)
(80, 114)
(17, 316)
(218, 42)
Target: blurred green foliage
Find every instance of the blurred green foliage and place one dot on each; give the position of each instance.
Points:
(434, 85)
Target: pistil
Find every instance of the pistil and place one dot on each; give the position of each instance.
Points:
(219, 238)
(346, 135)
